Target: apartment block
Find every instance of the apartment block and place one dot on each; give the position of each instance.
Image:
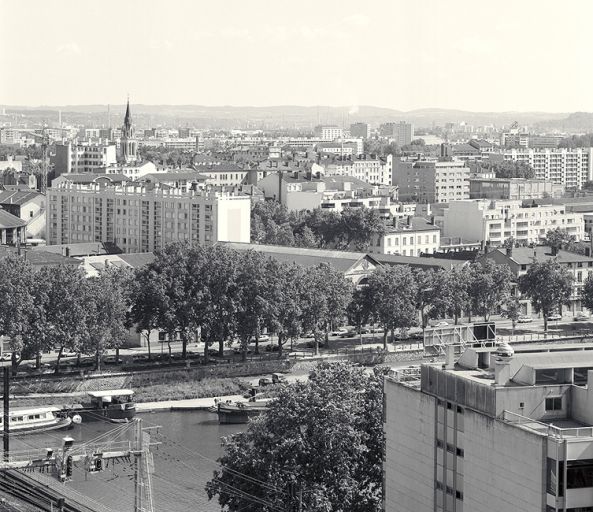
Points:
(83, 158)
(493, 431)
(403, 133)
(569, 167)
(428, 181)
(139, 218)
(496, 221)
(329, 132)
(513, 188)
(362, 130)
(369, 168)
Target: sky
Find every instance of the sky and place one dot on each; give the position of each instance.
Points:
(508, 55)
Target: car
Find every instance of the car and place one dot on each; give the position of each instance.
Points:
(112, 360)
(262, 338)
(439, 323)
(581, 316)
(272, 348)
(278, 378)
(524, 319)
(265, 381)
(6, 356)
(555, 317)
(377, 330)
(239, 350)
(349, 334)
(416, 335)
(339, 331)
(364, 330)
(69, 353)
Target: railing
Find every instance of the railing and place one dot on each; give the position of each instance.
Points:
(548, 429)
(543, 336)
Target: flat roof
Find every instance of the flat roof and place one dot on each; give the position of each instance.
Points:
(110, 392)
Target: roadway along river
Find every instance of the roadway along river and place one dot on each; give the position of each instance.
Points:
(183, 463)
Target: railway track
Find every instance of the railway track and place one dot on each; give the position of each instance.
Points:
(34, 493)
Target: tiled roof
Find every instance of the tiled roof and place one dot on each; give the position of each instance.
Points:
(137, 259)
(417, 261)
(79, 249)
(39, 258)
(17, 197)
(7, 220)
(525, 255)
(91, 177)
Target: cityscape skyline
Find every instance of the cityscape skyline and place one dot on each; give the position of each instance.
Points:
(394, 55)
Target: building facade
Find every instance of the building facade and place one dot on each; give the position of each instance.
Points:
(403, 133)
(493, 222)
(374, 170)
(569, 167)
(329, 132)
(141, 218)
(362, 130)
(428, 181)
(513, 188)
(488, 433)
(412, 237)
(83, 158)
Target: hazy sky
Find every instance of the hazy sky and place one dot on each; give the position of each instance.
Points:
(502, 55)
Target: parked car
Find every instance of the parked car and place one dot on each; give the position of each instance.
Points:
(524, 319)
(237, 350)
(339, 331)
(265, 381)
(555, 317)
(278, 378)
(364, 330)
(349, 334)
(6, 356)
(581, 315)
(262, 338)
(439, 323)
(272, 348)
(68, 353)
(112, 360)
(377, 330)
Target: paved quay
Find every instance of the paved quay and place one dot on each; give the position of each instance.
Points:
(192, 404)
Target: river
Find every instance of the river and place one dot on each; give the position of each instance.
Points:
(183, 462)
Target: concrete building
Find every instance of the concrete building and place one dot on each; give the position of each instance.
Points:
(369, 168)
(362, 130)
(299, 192)
(132, 170)
(494, 221)
(412, 237)
(83, 158)
(403, 133)
(513, 188)
(569, 167)
(140, 218)
(489, 433)
(428, 181)
(329, 132)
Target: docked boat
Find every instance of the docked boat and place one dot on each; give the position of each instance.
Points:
(240, 412)
(115, 405)
(37, 419)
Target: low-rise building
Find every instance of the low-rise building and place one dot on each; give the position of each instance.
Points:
(513, 188)
(329, 132)
(13, 229)
(490, 433)
(493, 222)
(413, 236)
(29, 206)
(520, 259)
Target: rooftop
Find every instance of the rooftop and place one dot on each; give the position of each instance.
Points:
(418, 262)
(8, 221)
(17, 197)
(540, 253)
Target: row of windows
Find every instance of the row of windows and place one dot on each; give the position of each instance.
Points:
(449, 490)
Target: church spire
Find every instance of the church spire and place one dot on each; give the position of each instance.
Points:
(128, 117)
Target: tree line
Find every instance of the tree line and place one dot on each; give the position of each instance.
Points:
(352, 228)
(220, 296)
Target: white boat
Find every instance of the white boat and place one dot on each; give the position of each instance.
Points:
(36, 419)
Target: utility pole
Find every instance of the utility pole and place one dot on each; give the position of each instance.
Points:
(6, 418)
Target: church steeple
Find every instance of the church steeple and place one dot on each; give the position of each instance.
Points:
(128, 145)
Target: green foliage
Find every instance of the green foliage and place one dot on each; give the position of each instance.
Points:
(548, 285)
(321, 439)
(559, 238)
(489, 288)
(512, 169)
(393, 294)
(587, 293)
(512, 310)
(577, 141)
(352, 228)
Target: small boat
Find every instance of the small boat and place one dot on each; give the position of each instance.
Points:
(37, 419)
(114, 405)
(240, 412)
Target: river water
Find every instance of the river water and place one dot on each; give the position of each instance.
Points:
(183, 462)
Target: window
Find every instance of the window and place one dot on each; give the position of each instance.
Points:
(579, 473)
(554, 403)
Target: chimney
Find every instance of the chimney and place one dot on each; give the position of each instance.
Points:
(502, 372)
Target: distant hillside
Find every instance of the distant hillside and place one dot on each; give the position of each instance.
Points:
(286, 116)
(578, 122)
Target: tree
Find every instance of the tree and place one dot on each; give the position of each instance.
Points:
(512, 169)
(359, 310)
(148, 303)
(325, 295)
(512, 311)
(17, 302)
(548, 285)
(393, 292)
(425, 296)
(489, 288)
(106, 302)
(559, 238)
(450, 293)
(60, 300)
(321, 439)
(587, 293)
